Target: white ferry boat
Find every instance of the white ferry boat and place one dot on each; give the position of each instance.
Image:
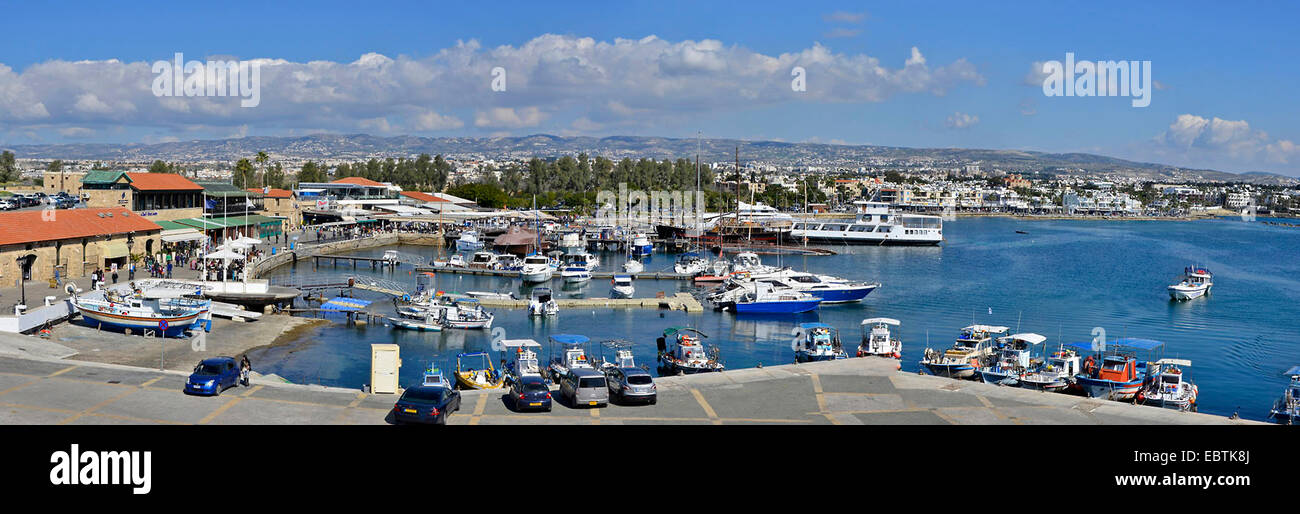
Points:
(875, 224)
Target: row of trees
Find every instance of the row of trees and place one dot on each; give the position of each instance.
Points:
(422, 173)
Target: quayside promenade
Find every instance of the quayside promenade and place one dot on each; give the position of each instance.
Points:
(847, 392)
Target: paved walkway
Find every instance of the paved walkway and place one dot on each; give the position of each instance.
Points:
(847, 392)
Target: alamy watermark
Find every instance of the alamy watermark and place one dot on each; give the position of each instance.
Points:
(1098, 78)
(241, 79)
(655, 207)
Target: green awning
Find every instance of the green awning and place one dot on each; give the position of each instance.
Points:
(171, 225)
(229, 221)
(115, 249)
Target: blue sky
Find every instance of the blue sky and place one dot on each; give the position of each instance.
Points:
(1228, 97)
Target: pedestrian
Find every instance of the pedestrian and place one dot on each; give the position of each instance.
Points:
(115, 274)
(130, 272)
(245, 368)
(169, 269)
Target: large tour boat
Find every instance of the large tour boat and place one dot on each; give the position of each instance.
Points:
(875, 224)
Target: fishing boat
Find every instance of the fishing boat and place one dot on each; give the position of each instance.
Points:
(536, 269)
(1286, 409)
(1056, 373)
(469, 241)
(690, 263)
(525, 362)
(876, 339)
(820, 342)
(433, 377)
(763, 298)
(131, 312)
(1196, 282)
(478, 373)
(1012, 360)
(622, 286)
(686, 354)
(1117, 375)
(1168, 385)
(572, 354)
(641, 245)
(970, 352)
(483, 260)
(875, 224)
(429, 322)
(464, 313)
(541, 303)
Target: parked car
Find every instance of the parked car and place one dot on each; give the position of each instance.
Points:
(631, 385)
(426, 404)
(8, 205)
(530, 393)
(65, 203)
(212, 376)
(584, 387)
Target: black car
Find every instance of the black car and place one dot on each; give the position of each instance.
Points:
(426, 404)
(530, 393)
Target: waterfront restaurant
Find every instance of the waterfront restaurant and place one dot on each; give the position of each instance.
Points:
(34, 244)
(280, 203)
(158, 196)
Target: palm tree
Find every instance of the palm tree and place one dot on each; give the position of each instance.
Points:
(261, 163)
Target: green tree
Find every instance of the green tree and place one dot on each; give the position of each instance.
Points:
(8, 169)
(275, 176)
(261, 164)
(311, 172)
(243, 174)
(485, 195)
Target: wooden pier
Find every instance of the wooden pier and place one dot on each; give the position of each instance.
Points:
(375, 262)
(649, 275)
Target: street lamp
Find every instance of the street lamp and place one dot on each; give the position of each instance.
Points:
(22, 285)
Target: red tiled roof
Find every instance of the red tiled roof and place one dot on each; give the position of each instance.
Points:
(42, 225)
(423, 197)
(360, 181)
(161, 182)
(275, 193)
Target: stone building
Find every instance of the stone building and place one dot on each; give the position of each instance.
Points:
(33, 244)
(158, 196)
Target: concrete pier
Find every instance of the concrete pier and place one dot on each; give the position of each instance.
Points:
(677, 302)
(655, 275)
(846, 392)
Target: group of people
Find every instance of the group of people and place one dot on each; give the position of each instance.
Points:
(98, 278)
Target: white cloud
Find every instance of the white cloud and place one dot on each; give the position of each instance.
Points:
(960, 120)
(551, 79)
(1216, 137)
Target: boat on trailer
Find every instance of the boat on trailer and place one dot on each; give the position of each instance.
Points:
(572, 354)
(686, 354)
(485, 376)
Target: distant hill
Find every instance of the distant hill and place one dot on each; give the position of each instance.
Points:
(365, 146)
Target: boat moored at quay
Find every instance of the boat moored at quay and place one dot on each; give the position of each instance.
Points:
(971, 351)
(875, 224)
(1112, 371)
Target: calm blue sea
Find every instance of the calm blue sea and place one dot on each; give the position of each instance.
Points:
(1062, 279)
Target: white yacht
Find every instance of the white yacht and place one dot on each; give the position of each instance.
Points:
(483, 260)
(875, 224)
(537, 269)
(469, 241)
(622, 286)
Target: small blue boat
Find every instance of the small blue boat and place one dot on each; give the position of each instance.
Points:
(821, 342)
(764, 300)
(971, 350)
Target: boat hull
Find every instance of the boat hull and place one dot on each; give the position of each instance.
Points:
(845, 295)
(536, 277)
(996, 377)
(1181, 294)
(1109, 389)
(779, 307)
(176, 326)
(951, 370)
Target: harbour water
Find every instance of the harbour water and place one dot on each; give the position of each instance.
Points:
(1063, 279)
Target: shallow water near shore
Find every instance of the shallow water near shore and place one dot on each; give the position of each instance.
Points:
(1062, 279)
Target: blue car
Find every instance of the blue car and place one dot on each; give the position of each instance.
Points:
(213, 375)
(530, 393)
(426, 404)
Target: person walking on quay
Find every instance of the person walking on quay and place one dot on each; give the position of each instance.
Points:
(169, 269)
(114, 268)
(245, 368)
(130, 271)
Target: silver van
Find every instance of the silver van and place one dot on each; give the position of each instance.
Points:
(584, 387)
